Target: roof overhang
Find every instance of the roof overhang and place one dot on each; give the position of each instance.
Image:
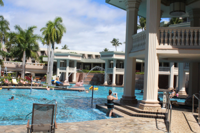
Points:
(165, 7)
(112, 55)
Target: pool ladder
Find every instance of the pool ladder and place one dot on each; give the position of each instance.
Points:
(168, 111)
(198, 98)
(54, 100)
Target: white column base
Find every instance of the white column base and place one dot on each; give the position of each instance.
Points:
(150, 105)
(105, 83)
(182, 93)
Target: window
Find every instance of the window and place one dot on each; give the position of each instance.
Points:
(166, 64)
(42, 53)
(89, 56)
(96, 56)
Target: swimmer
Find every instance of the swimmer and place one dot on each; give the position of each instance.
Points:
(8, 89)
(48, 88)
(86, 91)
(11, 98)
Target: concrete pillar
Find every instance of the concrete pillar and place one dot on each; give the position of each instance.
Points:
(114, 73)
(123, 80)
(176, 82)
(105, 73)
(171, 76)
(74, 75)
(142, 67)
(58, 68)
(67, 70)
(102, 65)
(92, 65)
(194, 16)
(194, 78)
(181, 79)
(130, 63)
(150, 95)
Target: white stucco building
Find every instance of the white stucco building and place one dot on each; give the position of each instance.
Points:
(167, 44)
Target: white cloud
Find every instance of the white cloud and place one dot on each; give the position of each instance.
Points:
(90, 25)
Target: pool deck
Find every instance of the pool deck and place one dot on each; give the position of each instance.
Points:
(126, 124)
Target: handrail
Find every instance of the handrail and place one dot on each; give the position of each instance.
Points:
(40, 107)
(169, 111)
(198, 98)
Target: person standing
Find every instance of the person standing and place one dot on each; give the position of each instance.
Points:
(110, 104)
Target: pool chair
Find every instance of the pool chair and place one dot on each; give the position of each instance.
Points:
(22, 83)
(14, 82)
(6, 82)
(59, 83)
(43, 118)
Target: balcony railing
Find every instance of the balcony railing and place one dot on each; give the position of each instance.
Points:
(62, 68)
(20, 63)
(109, 70)
(164, 68)
(139, 41)
(181, 37)
(71, 69)
(121, 70)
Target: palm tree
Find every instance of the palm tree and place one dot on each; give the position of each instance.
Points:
(105, 50)
(1, 3)
(25, 44)
(142, 23)
(175, 21)
(53, 34)
(115, 42)
(4, 27)
(65, 47)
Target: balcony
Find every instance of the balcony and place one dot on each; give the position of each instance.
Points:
(139, 41)
(63, 68)
(120, 70)
(109, 70)
(71, 69)
(179, 37)
(32, 67)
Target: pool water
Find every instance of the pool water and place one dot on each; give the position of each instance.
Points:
(73, 106)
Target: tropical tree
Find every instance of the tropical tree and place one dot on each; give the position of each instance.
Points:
(142, 23)
(56, 47)
(53, 33)
(1, 3)
(105, 50)
(175, 21)
(4, 28)
(65, 47)
(24, 44)
(115, 42)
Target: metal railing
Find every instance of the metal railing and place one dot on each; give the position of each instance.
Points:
(198, 98)
(168, 110)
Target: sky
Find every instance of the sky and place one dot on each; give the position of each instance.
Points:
(91, 24)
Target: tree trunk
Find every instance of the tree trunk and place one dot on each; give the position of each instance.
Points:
(51, 64)
(48, 64)
(23, 64)
(116, 48)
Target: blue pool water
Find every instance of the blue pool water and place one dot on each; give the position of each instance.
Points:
(73, 106)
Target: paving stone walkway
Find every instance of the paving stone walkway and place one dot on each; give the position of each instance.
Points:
(120, 125)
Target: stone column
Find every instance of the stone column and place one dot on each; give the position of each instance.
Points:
(114, 73)
(58, 68)
(123, 80)
(171, 76)
(181, 79)
(130, 63)
(194, 16)
(67, 70)
(105, 72)
(74, 75)
(176, 82)
(150, 95)
(102, 65)
(142, 67)
(194, 78)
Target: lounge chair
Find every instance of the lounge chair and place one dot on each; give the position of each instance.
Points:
(6, 82)
(43, 118)
(21, 82)
(14, 82)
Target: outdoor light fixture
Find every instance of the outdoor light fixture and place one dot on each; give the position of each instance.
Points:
(177, 7)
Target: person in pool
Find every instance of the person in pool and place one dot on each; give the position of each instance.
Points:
(110, 104)
(10, 99)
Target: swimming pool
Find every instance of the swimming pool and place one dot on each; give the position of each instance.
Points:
(73, 106)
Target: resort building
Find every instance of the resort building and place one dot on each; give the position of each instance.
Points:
(159, 44)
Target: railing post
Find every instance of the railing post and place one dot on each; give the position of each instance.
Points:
(179, 38)
(170, 37)
(174, 38)
(183, 37)
(196, 37)
(191, 37)
(166, 37)
(187, 37)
